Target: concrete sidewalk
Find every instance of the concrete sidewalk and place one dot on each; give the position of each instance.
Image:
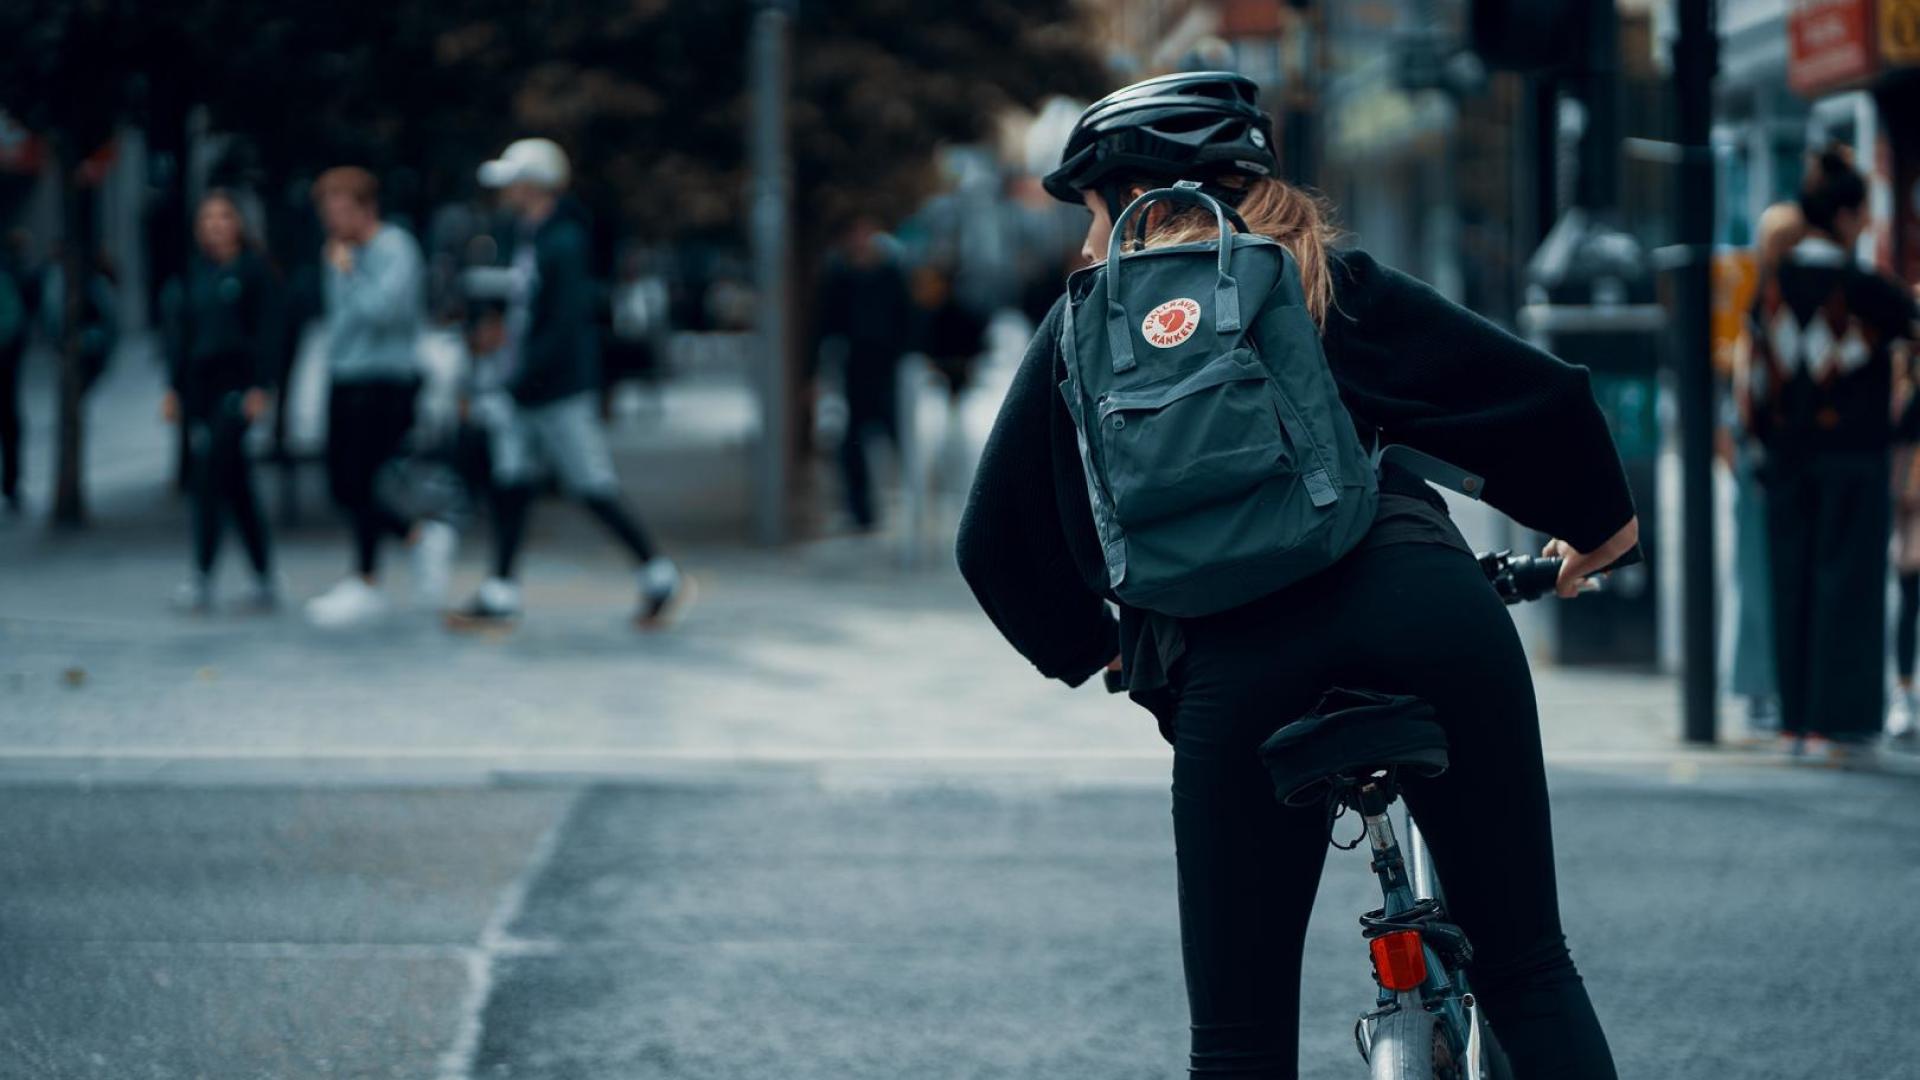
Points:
(829, 651)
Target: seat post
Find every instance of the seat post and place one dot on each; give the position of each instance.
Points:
(1372, 800)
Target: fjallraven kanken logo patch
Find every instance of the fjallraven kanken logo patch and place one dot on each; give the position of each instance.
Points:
(1171, 323)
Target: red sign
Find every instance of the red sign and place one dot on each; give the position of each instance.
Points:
(1829, 45)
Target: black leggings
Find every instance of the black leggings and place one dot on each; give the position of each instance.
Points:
(1412, 619)
(513, 505)
(366, 425)
(222, 484)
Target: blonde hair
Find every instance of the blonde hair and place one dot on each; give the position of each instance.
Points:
(1299, 221)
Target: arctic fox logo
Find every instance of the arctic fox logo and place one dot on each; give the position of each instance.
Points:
(1171, 323)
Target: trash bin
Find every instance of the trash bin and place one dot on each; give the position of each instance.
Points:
(1622, 345)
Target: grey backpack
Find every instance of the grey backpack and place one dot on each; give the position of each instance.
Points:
(1219, 460)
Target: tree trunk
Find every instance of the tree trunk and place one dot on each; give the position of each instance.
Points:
(69, 493)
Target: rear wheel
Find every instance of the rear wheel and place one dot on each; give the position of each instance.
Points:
(1407, 1044)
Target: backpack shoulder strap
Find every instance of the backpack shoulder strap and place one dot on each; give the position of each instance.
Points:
(1429, 468)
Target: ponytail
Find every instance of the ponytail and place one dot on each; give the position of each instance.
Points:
(1298, 220)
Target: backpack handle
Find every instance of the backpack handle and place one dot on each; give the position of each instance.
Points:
(1226, 291)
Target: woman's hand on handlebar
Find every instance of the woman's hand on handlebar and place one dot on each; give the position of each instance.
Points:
(1578, 566)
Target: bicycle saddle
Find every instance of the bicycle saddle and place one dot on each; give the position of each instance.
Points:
(1352, 733)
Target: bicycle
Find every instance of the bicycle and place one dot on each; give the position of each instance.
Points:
(1349, 752)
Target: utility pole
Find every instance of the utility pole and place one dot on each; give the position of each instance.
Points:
(772, 256)
(1695, 56)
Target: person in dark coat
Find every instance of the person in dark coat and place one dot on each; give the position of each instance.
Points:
(1823, 330)
(1409, 611)
(863, 304)
(221, 336)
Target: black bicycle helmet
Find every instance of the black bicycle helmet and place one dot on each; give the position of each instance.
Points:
(1191, 125)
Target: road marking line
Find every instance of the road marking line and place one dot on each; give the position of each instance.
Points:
(245, 950)
(460, 1057)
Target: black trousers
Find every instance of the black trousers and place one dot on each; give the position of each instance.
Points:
(221, 480)
(1412, 619)
(873, 408)
(512, 506)
(10, 358)
(366, 425)
(1827, 521)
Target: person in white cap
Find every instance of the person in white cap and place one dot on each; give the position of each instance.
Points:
(544, 418)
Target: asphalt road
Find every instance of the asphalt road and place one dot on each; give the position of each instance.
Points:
(1730, 921)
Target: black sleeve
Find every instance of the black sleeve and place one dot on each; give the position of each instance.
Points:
(562, 305)
(829, 315)
(1011, 549)
(263, 324)
(1439, 378)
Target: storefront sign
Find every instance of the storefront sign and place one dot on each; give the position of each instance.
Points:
(1830, 45)
(1900, 32)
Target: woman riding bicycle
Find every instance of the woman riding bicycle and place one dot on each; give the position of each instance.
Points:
(1408, 611)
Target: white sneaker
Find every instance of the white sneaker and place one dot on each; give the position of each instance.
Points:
(1900, 713)
(350, 602)
(665, 594)
(433, 563)
(495, 604)
(193, 596)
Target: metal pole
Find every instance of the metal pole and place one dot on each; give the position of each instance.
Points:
(772, 252)
(1695, 51)
(1599, 179)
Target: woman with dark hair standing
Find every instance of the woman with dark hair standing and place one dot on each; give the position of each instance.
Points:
(220, 348)
(1408, 611)
(1822, 403)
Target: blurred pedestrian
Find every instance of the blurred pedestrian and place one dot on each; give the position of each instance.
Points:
(864, 305)
(222, 334)
(1823, 334)
(1751, 673)
(99, 323)
(543, 417)
(373, 291)
(16, 314)
(950, 333)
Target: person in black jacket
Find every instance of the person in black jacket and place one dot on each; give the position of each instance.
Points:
(544, 417)
(1821, 400)
(864, 304)
(1408, 611)
(221, 336)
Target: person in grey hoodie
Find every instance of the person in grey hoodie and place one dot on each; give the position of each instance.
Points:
(543, 417)
(373, 285)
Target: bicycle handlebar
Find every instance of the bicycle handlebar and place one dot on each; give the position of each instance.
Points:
(1520, 578)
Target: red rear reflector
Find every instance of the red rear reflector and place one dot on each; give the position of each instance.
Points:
(1398, 960)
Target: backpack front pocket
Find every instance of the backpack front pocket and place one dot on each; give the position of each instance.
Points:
(1208, 437)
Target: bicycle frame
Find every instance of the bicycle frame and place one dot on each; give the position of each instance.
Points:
(1404, 884)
